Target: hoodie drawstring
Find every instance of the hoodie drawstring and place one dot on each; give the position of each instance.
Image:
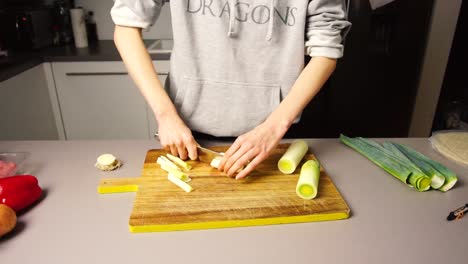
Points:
(232, 31)
(271, 23)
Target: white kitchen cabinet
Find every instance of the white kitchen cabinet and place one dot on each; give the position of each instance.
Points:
(98, 100)
(26, 111)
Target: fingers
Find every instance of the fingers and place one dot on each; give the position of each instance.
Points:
(227, 155)
(237, 156)
(173, 149)
(192, 149)
(183, 146)
(167, 148)
(240, 163)
(182, 150)
(246, 153)
(238, 160)
(250, 167)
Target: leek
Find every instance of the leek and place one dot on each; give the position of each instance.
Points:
(308, 182)
(391, 147)
(430, 165)
(184, 165)
(417, 179)
(107, 160)
(288, 163)
(177, 181)
(437, 179)
(175, 172)
(166, 162)
(215, 162)
(389, 163)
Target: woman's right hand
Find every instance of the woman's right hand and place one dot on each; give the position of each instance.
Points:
(174, 135)
(177, 138)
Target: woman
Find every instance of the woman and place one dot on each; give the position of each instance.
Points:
(237, 69)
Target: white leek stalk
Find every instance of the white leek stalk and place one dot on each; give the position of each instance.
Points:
(175, 172)
(215, 162)
(165, 161)
(307, 185)
(293, 156)
(183, 185)
(184, 165)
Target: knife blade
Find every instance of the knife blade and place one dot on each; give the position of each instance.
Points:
(204, 155)
(207, 155)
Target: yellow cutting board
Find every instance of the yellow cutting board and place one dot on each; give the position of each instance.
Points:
(266, 197)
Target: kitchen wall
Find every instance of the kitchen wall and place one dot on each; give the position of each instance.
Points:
(105, 26)
(439, 42)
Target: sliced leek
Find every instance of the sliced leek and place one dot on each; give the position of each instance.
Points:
(183, 185)
(166, 162)
(107, 162)
(177, 173)
(308, 182)
(184, 165)
(288, 163)
(215, 162)
(106, 159)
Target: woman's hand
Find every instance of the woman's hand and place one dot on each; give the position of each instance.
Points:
(252, 148)
(255, 146)
(177, 138)
(174, 135)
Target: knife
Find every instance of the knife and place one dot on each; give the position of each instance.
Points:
(207, 155)
(204, 155)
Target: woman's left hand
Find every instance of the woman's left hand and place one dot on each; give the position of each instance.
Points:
(251, 149)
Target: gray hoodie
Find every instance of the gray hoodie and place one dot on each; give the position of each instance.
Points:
(233, 61)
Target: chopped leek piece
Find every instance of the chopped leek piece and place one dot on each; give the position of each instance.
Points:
(184, 165)
(215, 162)
(107, 162)
(106, 159)
(177, 173)
(174, 179)
(165, 161)
(288, 163)
(308, 182)
(431, 165)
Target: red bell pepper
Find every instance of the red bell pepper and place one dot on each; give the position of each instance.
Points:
(19, 192)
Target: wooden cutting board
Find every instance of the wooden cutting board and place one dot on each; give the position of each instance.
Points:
(266, 197)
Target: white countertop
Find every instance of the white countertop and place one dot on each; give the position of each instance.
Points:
(389, 223)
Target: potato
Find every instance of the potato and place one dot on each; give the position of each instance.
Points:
(7, 219)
